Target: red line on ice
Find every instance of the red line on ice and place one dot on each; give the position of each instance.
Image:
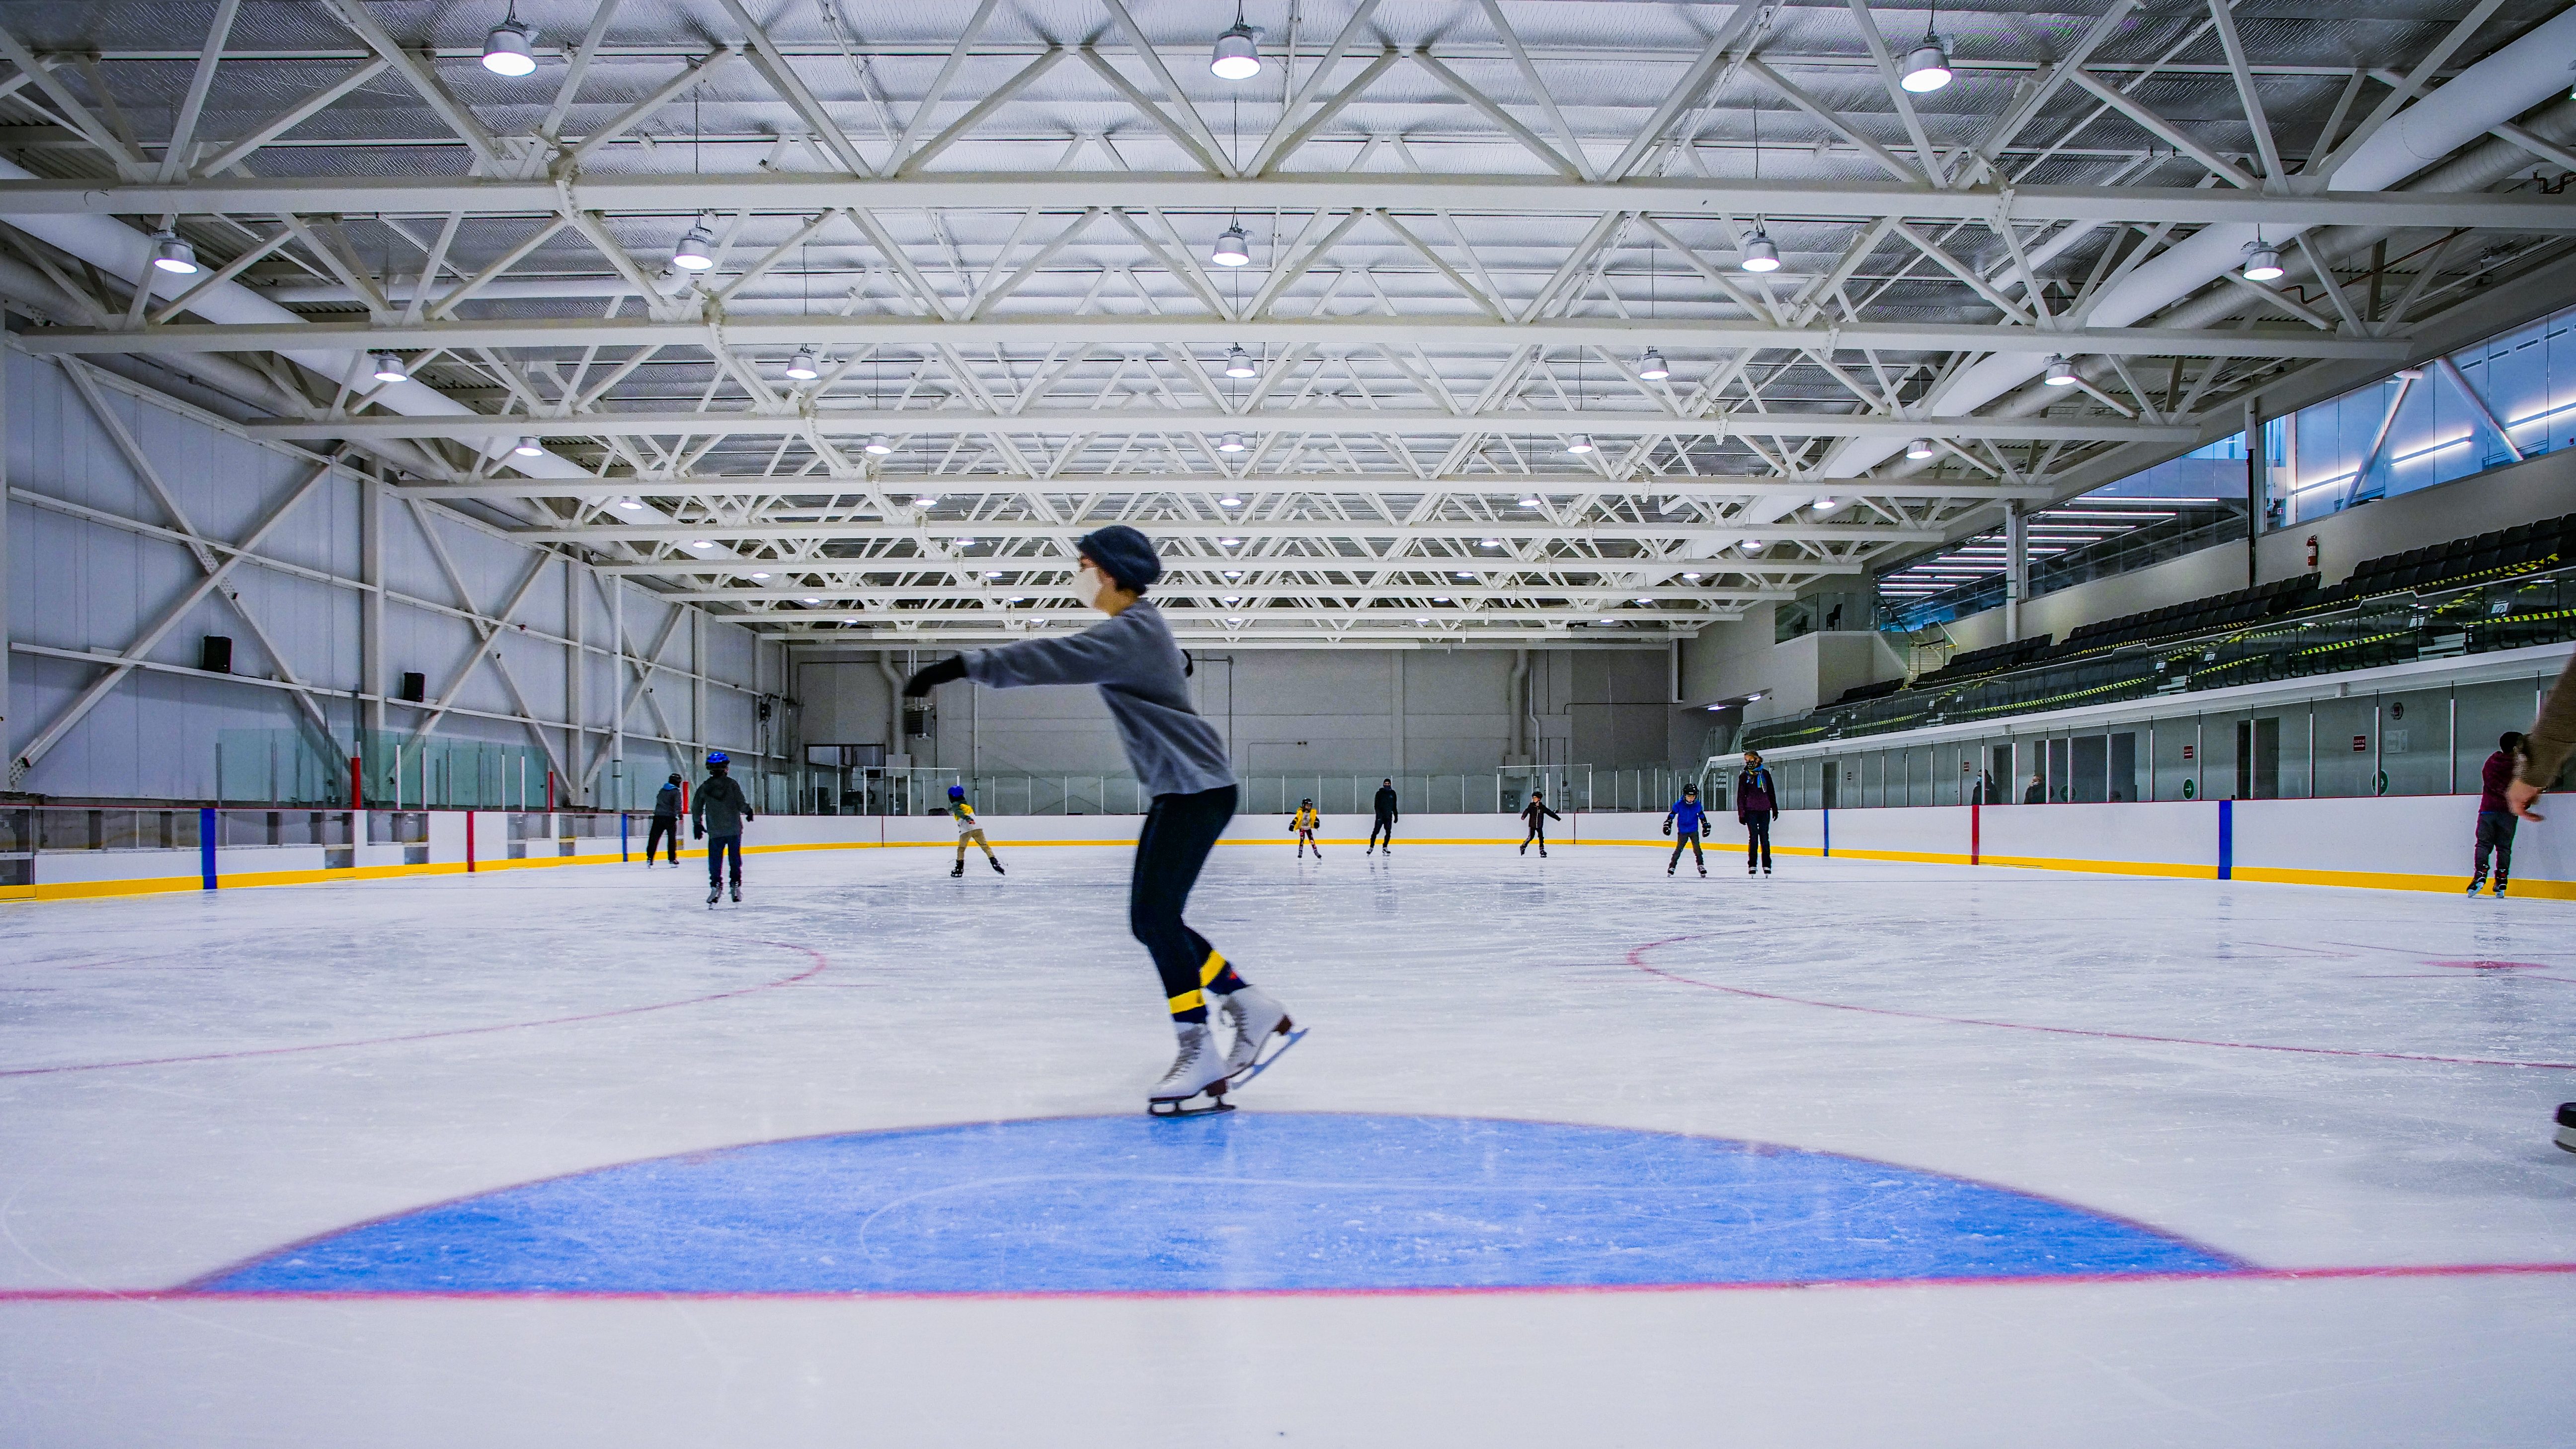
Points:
(821, 963)
(1636, 958)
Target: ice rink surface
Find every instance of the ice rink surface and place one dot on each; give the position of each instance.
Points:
(1576, 1154)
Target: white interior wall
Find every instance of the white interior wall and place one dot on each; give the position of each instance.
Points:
(95, 559)
(1284, 711)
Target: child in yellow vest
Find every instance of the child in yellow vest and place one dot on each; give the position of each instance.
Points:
(967, 829)
(1305, 823)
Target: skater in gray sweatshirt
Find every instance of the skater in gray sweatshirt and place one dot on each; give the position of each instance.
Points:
(1182, 762)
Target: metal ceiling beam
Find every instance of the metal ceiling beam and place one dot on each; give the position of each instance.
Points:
(1339, 485)
(681, 197)
(1039, 332)
(1675, 531)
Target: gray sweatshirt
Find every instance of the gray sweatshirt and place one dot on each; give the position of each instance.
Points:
(1138, 668)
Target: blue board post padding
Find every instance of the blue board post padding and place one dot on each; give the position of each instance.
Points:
(2227, 840)
(1829, 830)
(206, 846)
(1254, 1201)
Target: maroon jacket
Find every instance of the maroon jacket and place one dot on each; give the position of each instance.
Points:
(1754, 796)
(2492, 782)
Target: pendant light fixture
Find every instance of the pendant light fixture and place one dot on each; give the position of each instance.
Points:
(1919, 449)
(1579, 444)
(1238, 363)
(507, 50)
(389, 368)
(1237, 56)
(1230, 443)
(1927, 69)
(1758, 255)
(2061, 373)
(1231, 249)
(528, 446)
(801, 367)
(879, 446)
(696, 251)
(1651, 367)
(173, 255)
(2262, 261)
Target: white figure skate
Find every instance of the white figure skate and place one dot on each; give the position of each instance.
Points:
(1198, 1069)
(1257, 1019)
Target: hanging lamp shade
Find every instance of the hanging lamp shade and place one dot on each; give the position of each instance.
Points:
(1231, 248)
(801, 367)
(1759, 254)
(1927, 69)
(1237, 56)
(506, 51)
(696, 251)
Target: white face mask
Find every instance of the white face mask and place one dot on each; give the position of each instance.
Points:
(1088, 586)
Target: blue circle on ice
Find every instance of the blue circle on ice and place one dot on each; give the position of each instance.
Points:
(1247, 1202)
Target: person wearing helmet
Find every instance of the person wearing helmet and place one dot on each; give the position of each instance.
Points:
(719, 816)
(967, 829)
(1303, 825)
(667, 804)
(1693, 820)
(1537, 814)
(1181, 761)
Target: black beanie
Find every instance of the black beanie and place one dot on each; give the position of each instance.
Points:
(1124, 554)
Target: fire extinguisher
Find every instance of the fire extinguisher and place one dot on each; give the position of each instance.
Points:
(2312, 552)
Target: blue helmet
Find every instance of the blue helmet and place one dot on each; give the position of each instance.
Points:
(717, 757)
(956, 792)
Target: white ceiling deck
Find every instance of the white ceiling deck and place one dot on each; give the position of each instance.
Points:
(1466, 222)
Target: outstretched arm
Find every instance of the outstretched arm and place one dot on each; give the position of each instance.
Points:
(1101, 654)
(931, 676)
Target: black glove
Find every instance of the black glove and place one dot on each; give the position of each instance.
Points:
(1668, 825)
(697, 832)
(927, 679)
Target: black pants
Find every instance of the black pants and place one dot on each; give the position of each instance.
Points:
(1689, 838)
(1538, 833)
(1179, 832)
(1757, 843)
(718, 847)
(1383, 826)
(665, 827)
(2495, 833)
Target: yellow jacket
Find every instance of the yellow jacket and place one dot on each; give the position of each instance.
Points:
(1306, 819)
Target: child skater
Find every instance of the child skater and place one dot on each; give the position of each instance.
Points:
(1304, 824)
(1537, 814)
(1693, 820)
(1182, 761)
(1757, 804)
(968, 830)
(1386, 818)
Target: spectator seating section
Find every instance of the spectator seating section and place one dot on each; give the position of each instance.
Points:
(1992, 659)
(2487, 558)
(2244, 606)
(2462, 562)
(1858, 693)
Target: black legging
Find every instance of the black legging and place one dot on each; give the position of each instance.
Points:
(665, 827)
(1383, 826)
(1179, 832)
(719, 847)
(1691, 839)
(1757, 843)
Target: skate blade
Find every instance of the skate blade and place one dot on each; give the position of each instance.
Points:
(1261, 1064)
(1181, 1107)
